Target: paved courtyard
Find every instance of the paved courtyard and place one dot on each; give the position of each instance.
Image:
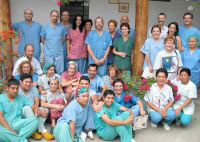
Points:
(176, 134)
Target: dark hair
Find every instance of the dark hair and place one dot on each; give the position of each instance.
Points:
(93, 65)
(187, 70)
(84, 78)
(12, 81)
(188, 13)
(108, 92)
(163, 70)
(54, 11)
(112, 21)
(117, 80)
(28, 45)
(163, 14)
(155, 26)
(177, 28)
(125, 25)
(169, 38)
(25, 76)
(74, 23)
(89, 21)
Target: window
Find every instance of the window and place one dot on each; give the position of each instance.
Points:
(76, 7)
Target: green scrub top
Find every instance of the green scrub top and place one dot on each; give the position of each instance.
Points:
(126, 47)
(12, 110)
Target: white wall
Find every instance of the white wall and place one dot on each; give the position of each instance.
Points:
(41, 9)
(174, 10)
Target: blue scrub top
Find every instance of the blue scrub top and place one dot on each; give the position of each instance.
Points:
(185, 33)
(29, 35)
(151, 48)
(53, 37)
(192, 61)
(76, 113)
(13, 110)
(98, 44)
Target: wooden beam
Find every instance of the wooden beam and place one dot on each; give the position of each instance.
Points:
(6, 60)
(141, 25)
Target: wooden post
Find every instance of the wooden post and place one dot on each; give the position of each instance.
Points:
(5, 48)
(141, 25)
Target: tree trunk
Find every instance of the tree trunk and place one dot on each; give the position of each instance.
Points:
(141, 25)
(5, 47)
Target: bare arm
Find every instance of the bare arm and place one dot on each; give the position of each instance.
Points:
(152, 106)
(169, 105)
(104, 88)
(47, 105)
(180, 48)
(5, 124)
(111, 122)
(142, 112)
(68, 46)
(72, 127)
(185, 104)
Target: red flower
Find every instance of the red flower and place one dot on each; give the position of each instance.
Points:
(144, 81)
(175, 88)
(169, 82)
(59, 3)
(125, 87)
(177, 97)
(127, 98)
(142, 88)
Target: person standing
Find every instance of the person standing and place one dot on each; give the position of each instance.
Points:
(52, 37)
(76, 47)
(187, 30)
(161, 18)
(65, 22)
(30, 33)
(98, 46)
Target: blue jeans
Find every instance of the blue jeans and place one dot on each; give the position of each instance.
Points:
(157, 118)
(58, 61)
(102, 69)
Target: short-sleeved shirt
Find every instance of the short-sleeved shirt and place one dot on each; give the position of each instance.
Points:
(192, 61)
(34, 62)
(34, 77)
(78, 48)
(110, 112)
(98, 44)
(30, 95)
(152, 47)
(126, 47)
(43, 80)
(53, 37)
(187, 91)
(96, 84)
(76, 113)
(48, 97)
(13, 110)
(106, 80)
(30, 34)
(159, 97)
(163, 34)
(120, 100)
(171, 61)
(185, 33)
(66, 77)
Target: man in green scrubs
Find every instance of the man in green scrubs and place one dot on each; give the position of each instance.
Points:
(12, 127)
(109, 124)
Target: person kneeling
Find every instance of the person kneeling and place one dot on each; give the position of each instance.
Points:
(74, 117)
(109, 125)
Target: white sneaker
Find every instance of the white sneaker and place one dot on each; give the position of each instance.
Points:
(132, 140)
(83, 136)
(153, 125)
(166, 126)
(90, 135)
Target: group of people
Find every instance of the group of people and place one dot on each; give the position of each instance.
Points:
(78, 90)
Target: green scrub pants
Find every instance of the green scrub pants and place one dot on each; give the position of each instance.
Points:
(23, 127)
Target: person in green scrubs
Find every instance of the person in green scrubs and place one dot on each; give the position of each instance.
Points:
(109, 124)
(12, 127)
(123, 49)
